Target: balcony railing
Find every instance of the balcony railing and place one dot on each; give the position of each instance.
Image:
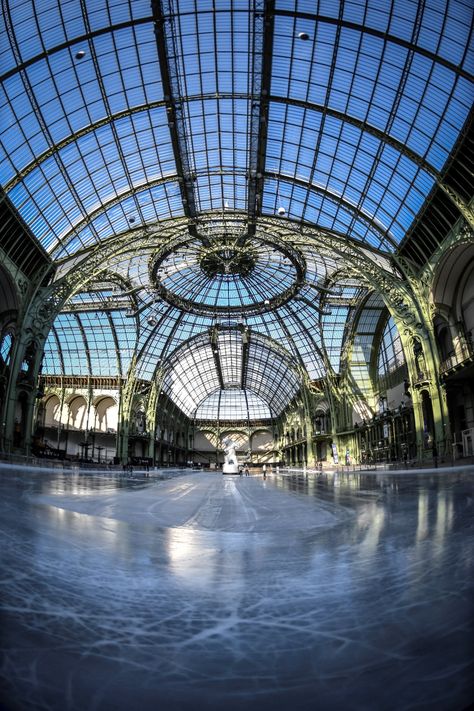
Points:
(458, 360)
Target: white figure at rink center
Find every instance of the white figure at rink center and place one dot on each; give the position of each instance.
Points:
(230, 466)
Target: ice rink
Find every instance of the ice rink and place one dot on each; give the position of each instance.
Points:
(351, 591)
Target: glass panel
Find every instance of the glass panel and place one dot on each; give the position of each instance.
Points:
(391, 355)
(5, 347)
(233, 405)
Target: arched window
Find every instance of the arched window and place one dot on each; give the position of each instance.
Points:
(443, 338)
(5, 347)
(52, 411)
(106, 414)
(78, 413)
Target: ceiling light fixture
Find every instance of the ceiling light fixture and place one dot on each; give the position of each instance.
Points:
(303, 36)
(80, 54)
(281, 210)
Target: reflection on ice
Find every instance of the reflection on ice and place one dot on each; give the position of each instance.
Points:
(444, 516)
(212, 593)
(189, 557)
(422, 529)
(372, 520)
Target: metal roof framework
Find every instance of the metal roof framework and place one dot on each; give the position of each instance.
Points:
(118, 117)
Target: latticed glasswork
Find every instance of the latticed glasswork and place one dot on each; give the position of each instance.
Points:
(230, 360)
(232, 405)
(390, 356)
(225, 158)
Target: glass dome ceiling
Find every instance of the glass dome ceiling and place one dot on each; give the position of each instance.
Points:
(190, 141)
(223, 270)
(231, 405)
(228, 277)
(230, 361)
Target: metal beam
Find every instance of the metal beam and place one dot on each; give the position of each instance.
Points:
(105, 305)
(245, 356)
(214, 333)
(174, 102)
(261, 81)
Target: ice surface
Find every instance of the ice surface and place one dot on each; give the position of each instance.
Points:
(209, 592)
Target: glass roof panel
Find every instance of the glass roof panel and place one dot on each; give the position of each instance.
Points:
(320, 208)
(52, 363)
(90, 172)
(66, 94)
(126, 338)
(201, 367)
(211, 54)
(334, 327)
(301, 321)
(66, 343)
(360, 372)
(100, 341)
(157, 203)
(357, 80)
(369, 78)
(227, 277)
(337, 310)
(363, 353)
(7, 56)
(230, 358)
(349, 132)
(84, 342)
(442, 28)
(213, 49)
(193, 377)
(270, 377)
